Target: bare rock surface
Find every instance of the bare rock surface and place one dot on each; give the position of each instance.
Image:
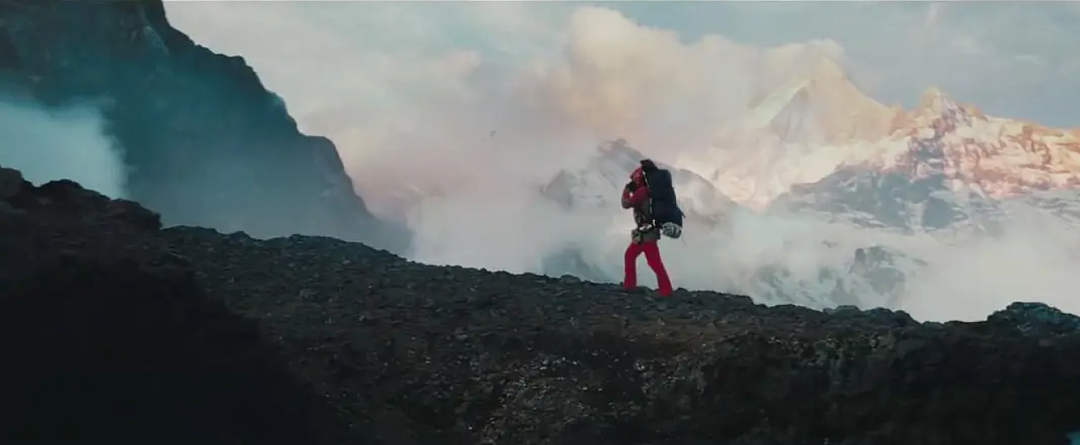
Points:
(371, 348)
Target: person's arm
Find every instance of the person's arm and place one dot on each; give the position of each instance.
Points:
(633, 196)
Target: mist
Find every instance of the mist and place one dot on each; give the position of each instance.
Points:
(1035, 259)
(455, 141)
(61, 143)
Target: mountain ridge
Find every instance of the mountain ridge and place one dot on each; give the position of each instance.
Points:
(947, 162)
(392, 351)
(598, 184)
(823, 124)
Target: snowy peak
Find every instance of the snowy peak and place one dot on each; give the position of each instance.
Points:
(797, 134)
(825, 107)
(935, 102)
(934, 99)
(942, 154)
(599, 183)
(938, 113)
(823, 123)
(823, 141)
(995, 157)
(827, 70)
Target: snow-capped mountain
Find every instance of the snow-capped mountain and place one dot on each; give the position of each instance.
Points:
(946, 165)
(897, 185)
(824, 125)
(995, 157)
(875, 276)
(600, 182)
(824, 108)
(797, 134)
(847, 279)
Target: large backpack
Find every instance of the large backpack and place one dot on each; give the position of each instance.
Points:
(665, 207)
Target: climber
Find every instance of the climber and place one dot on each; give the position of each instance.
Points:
(645, 236)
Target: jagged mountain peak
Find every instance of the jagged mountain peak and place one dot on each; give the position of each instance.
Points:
(933, 97)
(598, 183)
(796, 134)
(945, 161)
(938, 110)
(828, 74)
(827, 68)
(825, 107)
(617, 152)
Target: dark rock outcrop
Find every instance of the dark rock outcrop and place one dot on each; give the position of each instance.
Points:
(110, 353)
(105, 336)
(402, 353)
(203, 140)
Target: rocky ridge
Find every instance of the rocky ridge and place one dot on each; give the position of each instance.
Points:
(372, 348)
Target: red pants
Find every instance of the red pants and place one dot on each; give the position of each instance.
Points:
(652, 256)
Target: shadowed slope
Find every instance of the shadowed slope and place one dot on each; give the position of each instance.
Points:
(413, 354)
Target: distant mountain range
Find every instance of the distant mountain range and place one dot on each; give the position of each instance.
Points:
(822, 149)
(824, 126)
(600, 184)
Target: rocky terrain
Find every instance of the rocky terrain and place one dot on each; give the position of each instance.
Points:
(118, 329)
(203, 141)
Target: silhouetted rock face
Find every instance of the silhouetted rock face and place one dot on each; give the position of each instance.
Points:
(106, 337)
(205, 143)
(115, 354)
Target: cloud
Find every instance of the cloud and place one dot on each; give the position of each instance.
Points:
(645, 84)
(68, 143)
(1034, 260)
(390, 81)
(450, 115)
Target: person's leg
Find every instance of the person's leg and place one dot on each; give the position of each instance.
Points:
(630, 265)
(652, 256)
